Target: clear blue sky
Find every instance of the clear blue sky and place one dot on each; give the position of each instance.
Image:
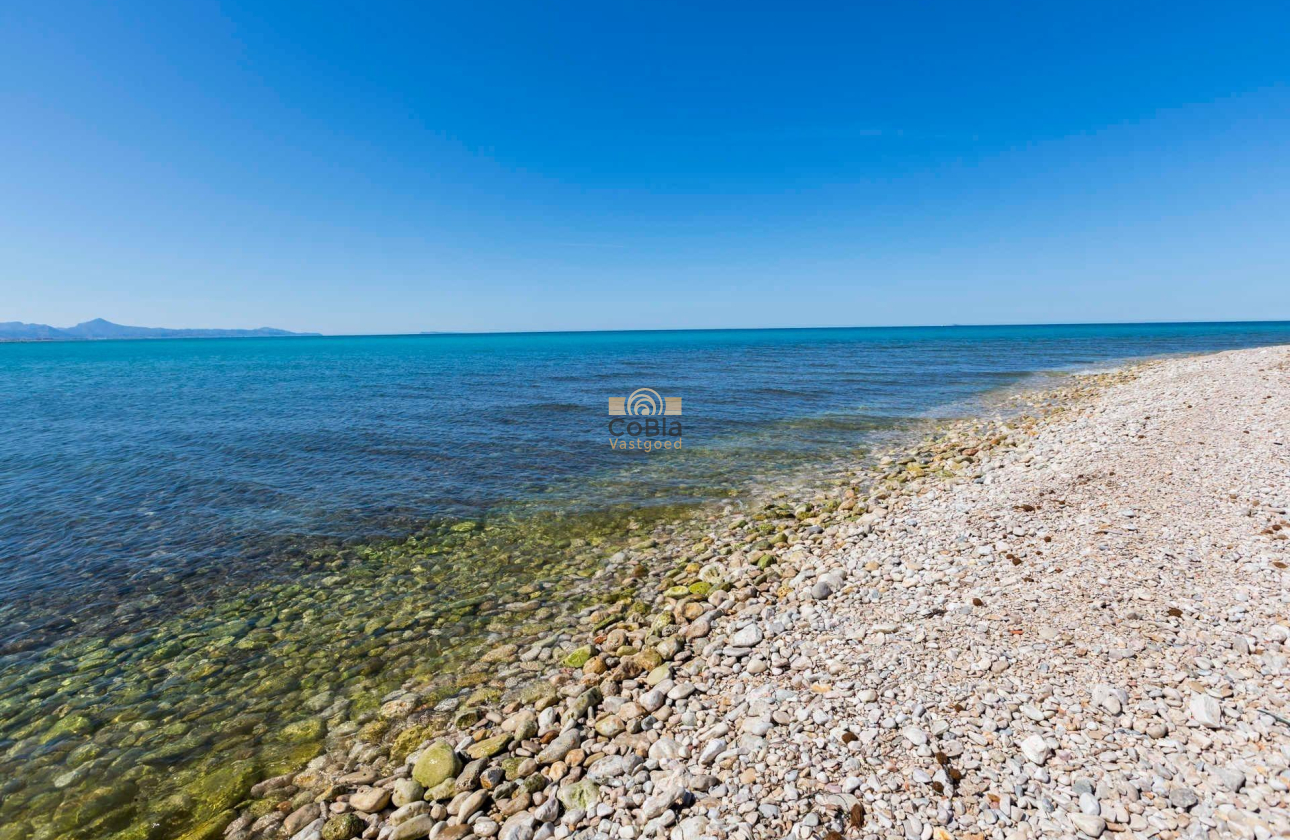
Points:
(370, 167)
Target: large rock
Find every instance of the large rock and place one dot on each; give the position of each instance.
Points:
(1205, 711)
(690, 828)
(711, 750)
(518, 827)
(1088, 824)
(613, 766)
(699, 628)
(579, 796)
(582, 704)
(299, 818)
(370, 800)
(488, 747)
(746, 637)
(471, 804)
(438, 763)
(918, 737)
(343, 827)
(664, 749)
(652, 700)
(1036, 749)
(1230, 777)
(407, 791)
(539, 693)
(560, 747)
(225, 787)
(666, 793)
(414, 828)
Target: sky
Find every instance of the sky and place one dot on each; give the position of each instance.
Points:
(403, 167)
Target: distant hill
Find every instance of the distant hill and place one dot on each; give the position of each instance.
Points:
(100, 329)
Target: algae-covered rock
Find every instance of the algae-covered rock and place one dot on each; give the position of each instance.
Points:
(375, 730)
(489, 747)
(170, 812)
(579, 656)
(406, 791)
(511, 767)
(96, 803)
(304, 731)
(537, 692)
(224, 787)
(260, 807)
(648, 659)
(73, 724)
(342, 827)
(438, 763)
(15, 831)
(276, 686)
(579, 796)
(407, 741)
(657, 675)
(446, 789)
(210, 829)
(483, 696)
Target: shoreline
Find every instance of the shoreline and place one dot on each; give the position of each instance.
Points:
(669, 747)
(198, 796)
(607, 687)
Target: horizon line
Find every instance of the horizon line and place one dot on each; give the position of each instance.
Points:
(436, 333)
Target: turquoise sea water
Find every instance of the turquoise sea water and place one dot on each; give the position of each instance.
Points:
(124, 462)
(216, 556)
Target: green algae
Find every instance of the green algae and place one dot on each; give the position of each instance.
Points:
(97, 732)
(578, 657)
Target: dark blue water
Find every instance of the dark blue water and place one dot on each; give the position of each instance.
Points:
(127, 457)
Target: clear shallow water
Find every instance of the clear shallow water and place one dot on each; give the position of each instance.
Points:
(121, 461)
(189, 600)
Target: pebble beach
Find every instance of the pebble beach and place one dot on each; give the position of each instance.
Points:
(1069, 623)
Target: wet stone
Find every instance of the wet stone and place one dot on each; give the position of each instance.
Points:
(488, 747)
(437, 763)
(342, 827)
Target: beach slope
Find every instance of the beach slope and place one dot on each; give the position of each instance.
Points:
(1068, 623)
(1089, 636)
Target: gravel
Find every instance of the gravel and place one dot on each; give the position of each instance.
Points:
(1067, 623)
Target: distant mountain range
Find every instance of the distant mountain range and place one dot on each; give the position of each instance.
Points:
(100, 329)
